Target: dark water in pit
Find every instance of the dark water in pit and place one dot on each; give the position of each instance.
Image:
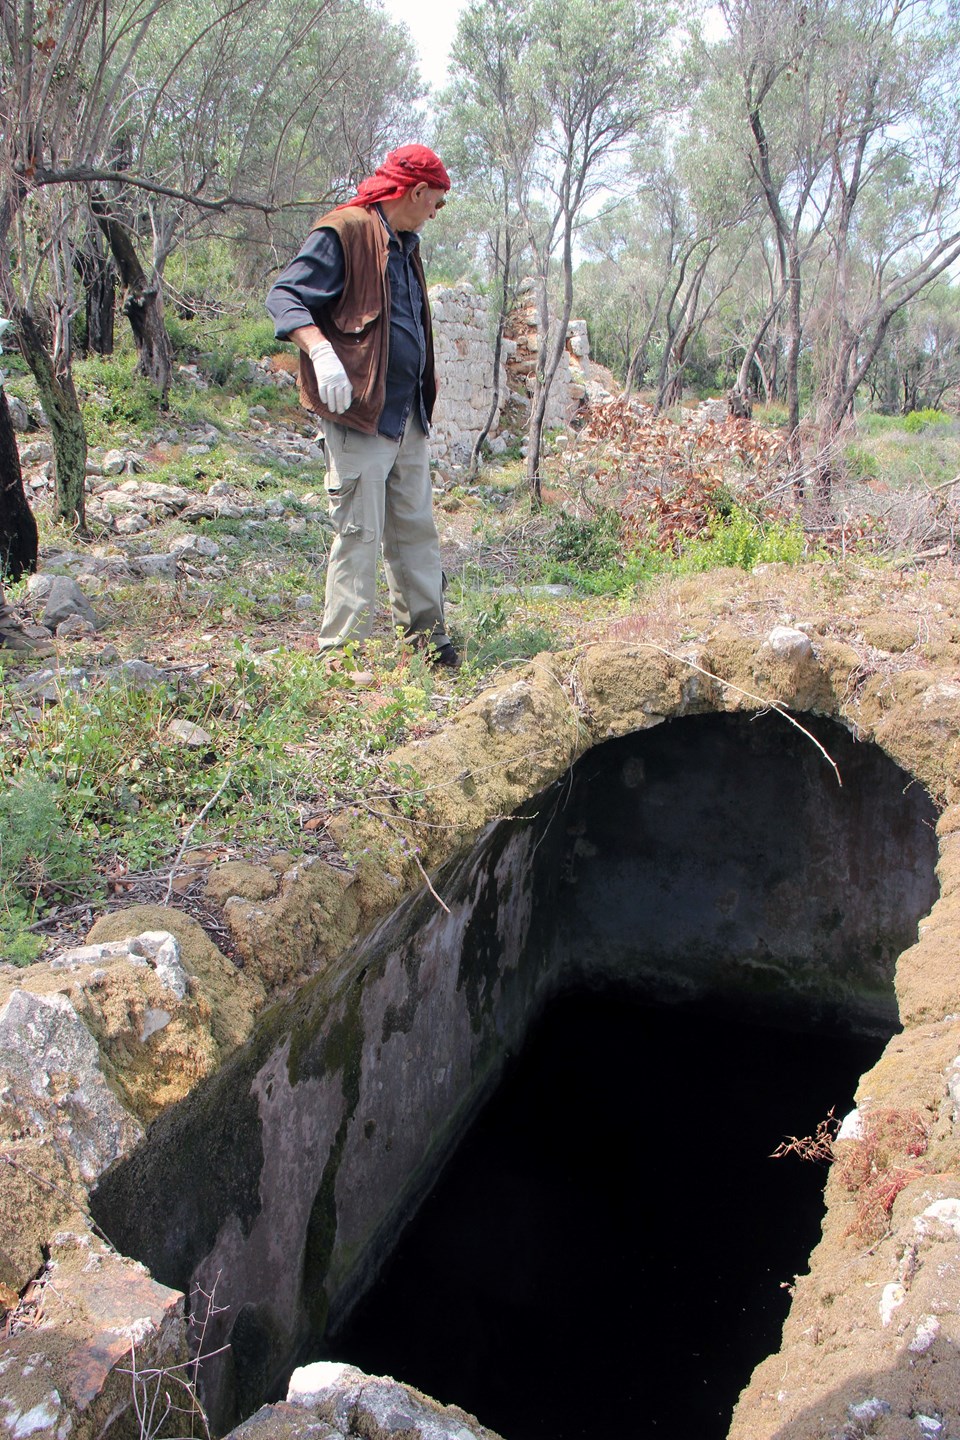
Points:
(605, 1254)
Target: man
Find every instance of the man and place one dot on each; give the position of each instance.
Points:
(354, 302)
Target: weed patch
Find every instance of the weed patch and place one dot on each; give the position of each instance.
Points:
(875, 1166)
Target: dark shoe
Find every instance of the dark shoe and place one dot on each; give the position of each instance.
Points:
(444, 655)
(14, 638)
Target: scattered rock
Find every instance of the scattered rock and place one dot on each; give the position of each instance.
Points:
(156, 567)
(36, 453)
(356, 1405)
(138, 673)
(19, 414)
(189, 734)
(191, 549)
(114, 462)
(75, 628)
(65, 598)
(59, 1119)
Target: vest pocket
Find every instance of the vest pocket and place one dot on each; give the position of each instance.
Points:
(355, 322)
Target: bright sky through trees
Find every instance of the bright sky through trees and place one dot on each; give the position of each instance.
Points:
(433, 24)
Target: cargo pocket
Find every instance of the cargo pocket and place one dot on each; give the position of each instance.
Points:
(345, 493)
(345, 501)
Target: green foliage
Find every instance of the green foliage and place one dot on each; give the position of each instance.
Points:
(589, 555)
(589, 544)
(40, 860)
(285, 733)
(871, 423)
(225, 349)
(919, 420)
(772, 415)
(861, 464)
(113, 396)
(741, 540)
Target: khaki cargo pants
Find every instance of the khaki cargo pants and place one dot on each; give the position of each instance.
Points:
(379, 494)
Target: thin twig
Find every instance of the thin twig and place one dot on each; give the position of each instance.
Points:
(749, 695)
(426, 880)
(190, 829)
(88, 1220)
(378, 815)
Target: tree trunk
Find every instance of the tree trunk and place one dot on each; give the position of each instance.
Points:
(497, 352)
(59, 400)
(18, 528)
(99, 278)
(142, 302)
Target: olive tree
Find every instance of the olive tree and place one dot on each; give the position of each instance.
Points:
(572, 85)
(847, 111)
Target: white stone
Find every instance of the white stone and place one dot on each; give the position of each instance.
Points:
(869, 1410)
(309, 1383)
(851, 1127)
(789, 644)
(51, 1073)
(927, 1331)
(36, 452)
(114, 462)
(944, 1212)
(947, 691)
(188, 733)
(42, 1417)
(891, 1299)
(162, 950)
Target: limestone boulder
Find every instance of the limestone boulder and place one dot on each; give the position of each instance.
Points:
(233, 997)
(145, 1025)
(331, 1401)
(70, 1349)
(286, 936)
(61, 1125)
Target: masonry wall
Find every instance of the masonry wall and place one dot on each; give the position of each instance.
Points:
(464, 328)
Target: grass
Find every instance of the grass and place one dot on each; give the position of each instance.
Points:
(900, 451)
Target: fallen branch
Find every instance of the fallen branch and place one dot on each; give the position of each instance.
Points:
(190, 829)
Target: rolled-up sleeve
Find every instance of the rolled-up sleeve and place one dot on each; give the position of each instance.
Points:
(310, 282)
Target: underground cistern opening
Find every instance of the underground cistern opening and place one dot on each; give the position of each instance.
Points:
(691, 940)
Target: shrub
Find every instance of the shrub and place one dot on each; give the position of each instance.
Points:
(114, 396)
(918, 420)
(742, 541)
(40, 860)
(589, 544)
(861, 464)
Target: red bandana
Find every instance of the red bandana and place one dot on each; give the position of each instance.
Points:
(401, 170)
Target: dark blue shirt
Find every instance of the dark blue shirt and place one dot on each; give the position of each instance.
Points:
(314, 279)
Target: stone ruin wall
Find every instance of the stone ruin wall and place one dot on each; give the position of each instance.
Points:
(464, 328)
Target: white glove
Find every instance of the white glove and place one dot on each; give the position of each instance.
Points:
(335, 389)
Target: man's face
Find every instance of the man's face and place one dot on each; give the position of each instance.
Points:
(418, 205)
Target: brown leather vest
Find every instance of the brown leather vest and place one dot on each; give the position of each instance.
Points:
(358, 323)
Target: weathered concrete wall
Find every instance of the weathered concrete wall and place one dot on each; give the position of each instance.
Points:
(281, 1184)
(721, 855)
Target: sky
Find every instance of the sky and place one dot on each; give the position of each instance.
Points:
(433, 24)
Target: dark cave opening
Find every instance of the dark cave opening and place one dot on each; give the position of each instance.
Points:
(608, 1251)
